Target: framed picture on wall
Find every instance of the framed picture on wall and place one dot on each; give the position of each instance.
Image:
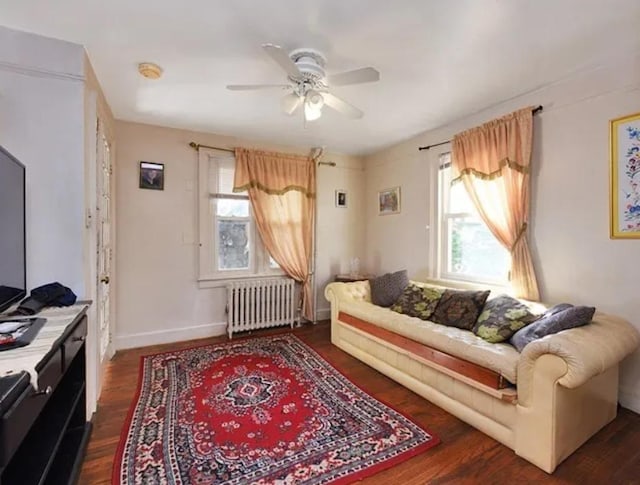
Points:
(341, 198)
(152, 175)
(625, 177)
(389, 201)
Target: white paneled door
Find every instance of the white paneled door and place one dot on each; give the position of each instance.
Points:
(104, 249)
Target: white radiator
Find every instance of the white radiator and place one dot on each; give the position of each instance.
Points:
(253, 304)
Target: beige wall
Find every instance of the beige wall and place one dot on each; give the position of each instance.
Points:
(340, 230)
(575, 259)
(159, 299)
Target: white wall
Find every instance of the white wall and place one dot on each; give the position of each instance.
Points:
(575, 259)
(41, 124)
(159, 299)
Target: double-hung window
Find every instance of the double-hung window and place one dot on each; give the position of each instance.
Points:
(467, 249)
(230, 246)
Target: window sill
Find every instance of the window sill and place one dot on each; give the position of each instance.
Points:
(222, 281)
(470, 285)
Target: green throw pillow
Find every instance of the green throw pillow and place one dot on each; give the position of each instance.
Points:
(501, 318)
(418, 301)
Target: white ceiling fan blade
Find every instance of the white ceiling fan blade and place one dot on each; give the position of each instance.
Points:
(252, 87)
(358, 76)
(290, 103)
(341, 106)
(282, 58)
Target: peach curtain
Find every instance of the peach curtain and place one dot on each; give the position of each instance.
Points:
(493, 162)
(281, 189)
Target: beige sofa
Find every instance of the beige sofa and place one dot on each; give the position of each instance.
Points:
(565, 386)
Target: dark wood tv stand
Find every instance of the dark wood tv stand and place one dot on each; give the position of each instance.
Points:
(44, 433)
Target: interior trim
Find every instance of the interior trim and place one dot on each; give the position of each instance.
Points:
(39, 72)
(144, 339)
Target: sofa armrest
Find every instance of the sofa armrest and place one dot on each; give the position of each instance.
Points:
(586, 351)
(355, 291)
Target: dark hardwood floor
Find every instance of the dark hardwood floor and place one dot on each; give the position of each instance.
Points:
(464, 456)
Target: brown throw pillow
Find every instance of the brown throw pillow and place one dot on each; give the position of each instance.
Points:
(386, 289)
(418, 301)
(459, 308)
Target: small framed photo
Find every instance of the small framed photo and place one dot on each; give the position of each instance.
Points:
(625, 177)
(389, 201)
(341, 198)
(152, 175)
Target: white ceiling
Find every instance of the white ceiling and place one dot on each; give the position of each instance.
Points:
(438, 59)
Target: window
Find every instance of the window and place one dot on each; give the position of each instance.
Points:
(468, 250)
(230, 246)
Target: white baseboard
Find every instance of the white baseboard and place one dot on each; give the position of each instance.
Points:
(629, 399)
(145, 339)
(323, 313)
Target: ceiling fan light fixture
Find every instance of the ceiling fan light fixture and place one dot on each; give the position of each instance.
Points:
(311, 112)
(314, 99)
(313, 103)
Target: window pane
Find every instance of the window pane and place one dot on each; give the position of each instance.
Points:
(474, 252)
(221, 175)
(232, 208)
(225, 179)
(459, 200)
(273, 264)
(233, 244)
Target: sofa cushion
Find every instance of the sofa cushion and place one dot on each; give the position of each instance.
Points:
(501, 358)
(574, 316)
(418, 301)
(501, 318)
(459, 308)
(386, 289)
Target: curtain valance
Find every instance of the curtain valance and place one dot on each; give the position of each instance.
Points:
(484, 151)
(273, 173)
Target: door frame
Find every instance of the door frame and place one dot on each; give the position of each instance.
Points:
(101, 133)
(95, 369)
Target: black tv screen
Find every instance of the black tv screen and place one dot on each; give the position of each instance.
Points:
(13, 277)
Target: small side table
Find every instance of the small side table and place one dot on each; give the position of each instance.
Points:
(349, 278)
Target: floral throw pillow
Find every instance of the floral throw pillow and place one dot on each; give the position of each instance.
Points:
(501, 318)
(459, 308)
(418, 301)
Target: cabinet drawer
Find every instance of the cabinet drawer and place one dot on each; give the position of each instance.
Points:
(19, 418)
(74, 342)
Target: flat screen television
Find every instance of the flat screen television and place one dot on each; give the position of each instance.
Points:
(13, 264)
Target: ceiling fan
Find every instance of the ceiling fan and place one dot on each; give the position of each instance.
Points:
(309, 84)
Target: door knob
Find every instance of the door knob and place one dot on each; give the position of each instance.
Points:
(105, 280)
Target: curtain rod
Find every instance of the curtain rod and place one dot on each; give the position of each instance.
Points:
(197, 146)
(535, 110)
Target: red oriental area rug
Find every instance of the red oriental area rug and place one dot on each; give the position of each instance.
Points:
(257, 411)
